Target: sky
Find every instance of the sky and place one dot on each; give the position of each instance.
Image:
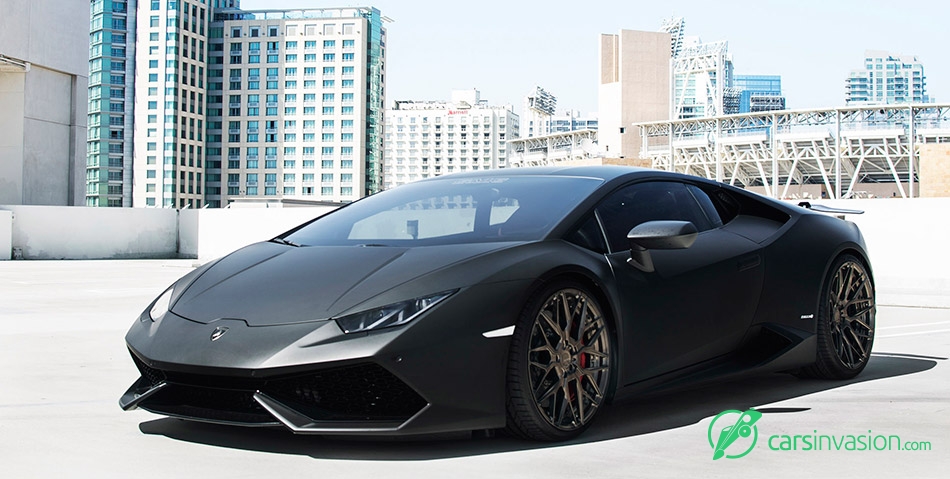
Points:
(505, 48)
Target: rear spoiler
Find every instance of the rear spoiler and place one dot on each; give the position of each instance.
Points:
(827, 209)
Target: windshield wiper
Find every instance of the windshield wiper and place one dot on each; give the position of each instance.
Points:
(286, 242)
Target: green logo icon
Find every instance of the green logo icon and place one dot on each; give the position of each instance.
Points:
(735, 429)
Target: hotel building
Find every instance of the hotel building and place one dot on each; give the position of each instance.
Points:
(424, 139)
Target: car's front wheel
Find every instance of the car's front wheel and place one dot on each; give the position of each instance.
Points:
(845, 321)
(559, 364)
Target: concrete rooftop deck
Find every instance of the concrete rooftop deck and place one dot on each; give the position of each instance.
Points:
(65, 365)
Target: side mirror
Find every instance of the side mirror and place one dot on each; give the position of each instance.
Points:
(658, 235)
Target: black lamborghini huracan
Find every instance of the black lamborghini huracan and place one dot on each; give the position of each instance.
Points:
(525, 299)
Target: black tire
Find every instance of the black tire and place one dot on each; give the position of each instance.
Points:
(845, 325)
(559, 363)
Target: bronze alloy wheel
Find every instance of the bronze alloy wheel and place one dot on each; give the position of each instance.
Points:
(851, 305)
(845, 321)
(567, 358)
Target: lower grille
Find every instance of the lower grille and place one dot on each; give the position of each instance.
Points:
(222, 405)
(362, 392)
(152, 375)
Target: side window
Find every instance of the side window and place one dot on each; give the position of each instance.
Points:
(648, 201)
(707, 205)
(588, 236)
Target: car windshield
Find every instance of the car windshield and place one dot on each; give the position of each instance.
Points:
(451, 211)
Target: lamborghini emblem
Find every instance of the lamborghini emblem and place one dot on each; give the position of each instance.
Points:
(218, 332)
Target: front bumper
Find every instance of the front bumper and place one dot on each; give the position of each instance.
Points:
(436, 374)
(358, 398)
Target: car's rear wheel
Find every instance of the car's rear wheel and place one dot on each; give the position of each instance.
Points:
(845, 321)
(559, 364)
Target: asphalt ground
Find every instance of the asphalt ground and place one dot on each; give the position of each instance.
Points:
(63, 365)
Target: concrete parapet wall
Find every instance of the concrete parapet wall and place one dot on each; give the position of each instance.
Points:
(905, 240)
(71, 232)
(905, 237)
(60, 232)
(218, 232)
(6, 234)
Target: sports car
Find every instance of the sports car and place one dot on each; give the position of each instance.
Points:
(519, 299)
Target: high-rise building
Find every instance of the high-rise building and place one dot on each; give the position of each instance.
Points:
(302, 97)
(43, 86)
(572, 120)
(111, 102)
(539, 107)
(170, 97)
(540, 118)
(634, 87)
(887, 79)
(264, 104)
(754, 93)
(424, 139)
(701, 73)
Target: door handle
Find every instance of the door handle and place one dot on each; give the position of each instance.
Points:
(749, 262)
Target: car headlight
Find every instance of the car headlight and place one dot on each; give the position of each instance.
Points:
(395, 314)
(160, 306)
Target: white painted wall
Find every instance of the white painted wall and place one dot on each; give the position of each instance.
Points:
(905, 238)
(906, 241)
(221, 231)
(188, 232)
(70, 232)
(60, 232)
(6, 235)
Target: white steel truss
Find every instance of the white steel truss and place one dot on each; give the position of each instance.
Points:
(676, 27)
(700, 76)
(553, 149)
(839, 148)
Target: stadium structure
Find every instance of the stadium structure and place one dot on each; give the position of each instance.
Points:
(840, 149)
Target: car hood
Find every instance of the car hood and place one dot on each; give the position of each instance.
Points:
(269, 284)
